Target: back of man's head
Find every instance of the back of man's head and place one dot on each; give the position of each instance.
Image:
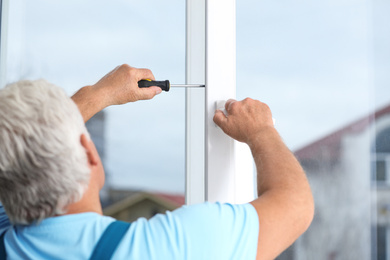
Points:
(43, 166)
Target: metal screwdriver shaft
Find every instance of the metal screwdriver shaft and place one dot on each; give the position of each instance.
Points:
(165, 85)
(187, 86)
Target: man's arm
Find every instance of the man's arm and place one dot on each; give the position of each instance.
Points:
(119, 86)
(285, 204)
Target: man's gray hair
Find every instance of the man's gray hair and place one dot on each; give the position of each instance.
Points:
(43, 166)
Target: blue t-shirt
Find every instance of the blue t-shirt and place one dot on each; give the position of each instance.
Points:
(204, 231)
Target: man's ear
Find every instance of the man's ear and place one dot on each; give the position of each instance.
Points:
(90, 149)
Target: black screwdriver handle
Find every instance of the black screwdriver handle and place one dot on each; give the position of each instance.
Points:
(164, 85)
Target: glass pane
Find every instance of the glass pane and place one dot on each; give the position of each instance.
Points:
(382, 144)
(75, 43)
(323, 68)
(381, 170)
(381, 242)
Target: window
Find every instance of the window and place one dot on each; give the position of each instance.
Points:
(75, 43)
(382, 157)
(381, 181)
(382, 168)
(382, 241)
(322, 67)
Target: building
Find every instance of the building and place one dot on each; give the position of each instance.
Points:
(96, 127)
(129, 205)
(349, 172)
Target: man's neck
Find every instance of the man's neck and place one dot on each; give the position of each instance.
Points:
(79, 207)
(90, 202)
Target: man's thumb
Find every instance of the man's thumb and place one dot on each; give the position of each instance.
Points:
(219, 118)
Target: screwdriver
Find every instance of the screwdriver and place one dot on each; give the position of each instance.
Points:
(164, 84)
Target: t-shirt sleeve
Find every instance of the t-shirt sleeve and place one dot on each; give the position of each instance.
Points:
(4, 220)
(218, 231)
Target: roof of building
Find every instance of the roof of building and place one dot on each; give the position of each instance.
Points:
(175, 198)
(332, 142)
(127, 198)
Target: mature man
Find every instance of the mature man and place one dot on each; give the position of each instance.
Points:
(51, 174)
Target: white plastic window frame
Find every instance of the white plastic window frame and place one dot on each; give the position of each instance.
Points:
(217, 167)
(195, 101)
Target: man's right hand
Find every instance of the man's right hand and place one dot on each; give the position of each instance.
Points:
(245, 120)
(118, 87)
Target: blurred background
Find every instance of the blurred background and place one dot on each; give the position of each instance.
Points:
(323, 67)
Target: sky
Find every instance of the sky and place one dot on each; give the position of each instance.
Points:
(319, 65)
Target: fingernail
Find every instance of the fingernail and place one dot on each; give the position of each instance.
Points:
(158, 91)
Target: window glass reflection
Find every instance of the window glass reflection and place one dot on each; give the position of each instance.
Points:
(322, 67)
(75, 43)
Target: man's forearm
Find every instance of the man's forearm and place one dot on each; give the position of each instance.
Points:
(277, 167)
(280, 175)
(89, 101)
(285, 203)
